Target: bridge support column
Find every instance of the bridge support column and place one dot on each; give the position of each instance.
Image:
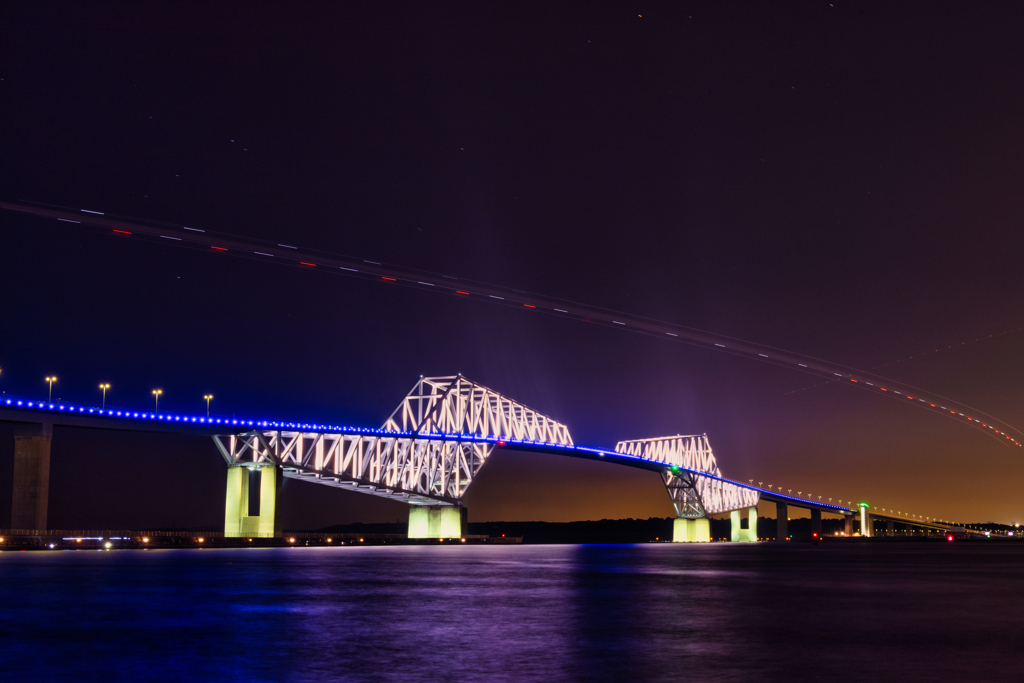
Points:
(691, 530)
(680, 530)
(848, 525)
(865, 521)
(816, 522)
(31, 494)
(237, 520)
(419, 521)
(734, 526)
(438, 522)
(890, 528)
(752, 524)
(781, 522)
(701, 530)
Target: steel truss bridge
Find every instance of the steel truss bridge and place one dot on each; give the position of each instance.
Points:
(429, 451)
(434, 444)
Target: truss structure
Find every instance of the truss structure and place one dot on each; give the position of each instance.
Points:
(432, 447)
(428, 452)
(420, 471)
(692, 477)
(691, 452)
(456, 405)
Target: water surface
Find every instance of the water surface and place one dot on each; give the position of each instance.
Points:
(659, 612)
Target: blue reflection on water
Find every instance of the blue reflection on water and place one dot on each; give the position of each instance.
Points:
(515, 613)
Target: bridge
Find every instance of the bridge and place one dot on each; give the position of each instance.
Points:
(426, 455)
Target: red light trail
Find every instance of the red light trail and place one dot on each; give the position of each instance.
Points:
(426, 281)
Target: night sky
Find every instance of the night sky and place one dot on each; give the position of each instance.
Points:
(839, 180)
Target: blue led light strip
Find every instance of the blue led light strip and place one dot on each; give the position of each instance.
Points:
(171, 418)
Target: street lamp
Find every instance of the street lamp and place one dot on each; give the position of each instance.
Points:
(104, 387)
(156, 394)
(50, 381)
(208, 398)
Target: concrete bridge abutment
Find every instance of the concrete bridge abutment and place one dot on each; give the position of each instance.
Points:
(446, 521)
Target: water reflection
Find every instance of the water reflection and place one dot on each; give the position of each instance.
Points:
(529, 613)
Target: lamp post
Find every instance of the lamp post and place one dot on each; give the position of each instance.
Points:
(156, 394)
(50, 381)
(208, 398)
(104, 387)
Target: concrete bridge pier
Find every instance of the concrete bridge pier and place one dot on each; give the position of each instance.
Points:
(441, 521)
(848, 525)
(691, 530)
(31, 494)
(865, 521)
(781, 522)
(890, 528)
(238, 522)
(816, 522)
(739, 535)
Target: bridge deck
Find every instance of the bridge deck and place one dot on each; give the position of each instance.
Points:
(24, 411)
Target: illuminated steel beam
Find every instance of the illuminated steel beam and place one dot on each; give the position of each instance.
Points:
(693, 495)
(456, 405)
(428, 452)
(420, 471)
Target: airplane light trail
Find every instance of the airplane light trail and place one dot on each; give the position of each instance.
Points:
(243, 247)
